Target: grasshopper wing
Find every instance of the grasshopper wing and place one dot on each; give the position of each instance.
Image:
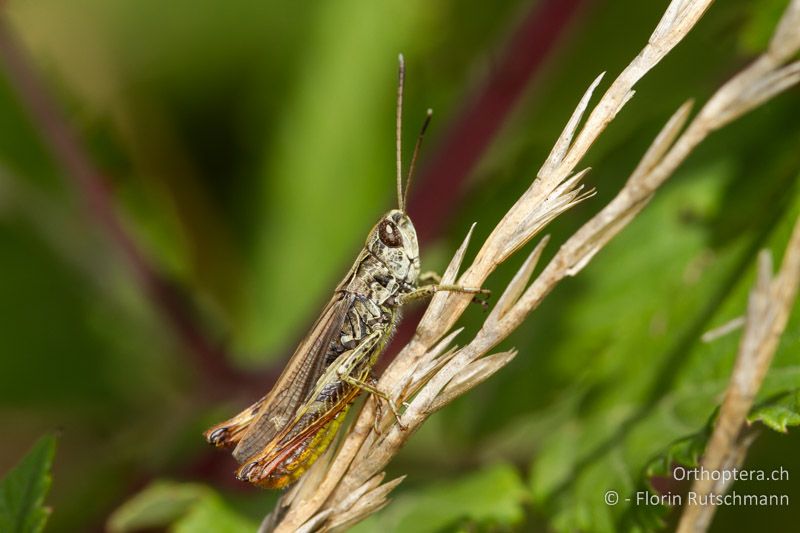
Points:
(295, 383)
(296, 447)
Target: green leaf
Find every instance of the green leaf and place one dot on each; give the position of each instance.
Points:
(183, 507)
(23, 489)
(212, 515)
(158, 505)
(490, 497)
(778, 413)
(685, 451)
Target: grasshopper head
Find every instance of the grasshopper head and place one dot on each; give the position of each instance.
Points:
(393, 241)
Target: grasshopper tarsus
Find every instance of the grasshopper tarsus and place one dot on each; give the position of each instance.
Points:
(482, 298)
(482, 302)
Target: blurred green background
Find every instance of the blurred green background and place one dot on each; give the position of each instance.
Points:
(249, 147)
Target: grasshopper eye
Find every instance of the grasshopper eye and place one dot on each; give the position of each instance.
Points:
(389, 234)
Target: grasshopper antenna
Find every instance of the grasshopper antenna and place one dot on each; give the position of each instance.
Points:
(417, 146)
(401, 78)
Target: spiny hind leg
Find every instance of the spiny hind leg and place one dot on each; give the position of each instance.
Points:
(348, 363)
(230, 432)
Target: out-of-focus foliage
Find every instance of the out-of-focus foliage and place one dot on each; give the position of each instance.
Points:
(24, 488)
(249, 147)
(186, 507)
(631, 401)
(488, 499)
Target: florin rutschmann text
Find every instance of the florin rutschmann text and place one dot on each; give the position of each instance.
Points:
(731, 499)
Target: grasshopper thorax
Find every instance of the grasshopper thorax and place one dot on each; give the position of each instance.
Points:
(393, 241)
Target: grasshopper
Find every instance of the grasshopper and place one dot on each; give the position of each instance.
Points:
(279, 437)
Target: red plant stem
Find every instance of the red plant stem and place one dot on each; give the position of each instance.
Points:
(484, 113)
(92, 188)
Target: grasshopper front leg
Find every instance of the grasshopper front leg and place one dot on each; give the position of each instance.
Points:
(429, 277)
(429, 290)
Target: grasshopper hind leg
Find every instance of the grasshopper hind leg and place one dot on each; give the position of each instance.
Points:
(371, 386)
